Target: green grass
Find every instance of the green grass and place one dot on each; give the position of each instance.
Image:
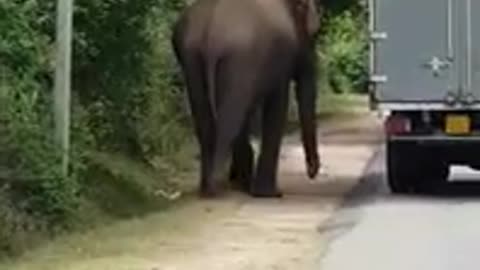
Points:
(331, 106)
(117, 190)
(121, 188)
(130, 244)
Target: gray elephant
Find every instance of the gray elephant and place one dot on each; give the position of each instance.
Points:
(239, 56)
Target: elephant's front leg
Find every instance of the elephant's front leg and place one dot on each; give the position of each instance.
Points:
(274, 114)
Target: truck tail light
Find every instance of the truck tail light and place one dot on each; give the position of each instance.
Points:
(397, 124)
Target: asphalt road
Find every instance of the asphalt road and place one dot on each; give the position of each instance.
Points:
(377, 230)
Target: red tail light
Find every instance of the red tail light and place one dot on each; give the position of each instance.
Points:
(397, 124)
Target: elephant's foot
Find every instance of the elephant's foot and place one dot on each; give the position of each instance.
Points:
(263, 192)
(266, 194)
(240, 185)
(209, 191)
(265, 187)
(240, 180)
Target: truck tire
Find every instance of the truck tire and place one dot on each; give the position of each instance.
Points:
(400, 171)
(414, 169)
(435, 174)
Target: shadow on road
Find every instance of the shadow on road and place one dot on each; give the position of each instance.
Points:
(454, 190)
(370, 185)
(350, 213)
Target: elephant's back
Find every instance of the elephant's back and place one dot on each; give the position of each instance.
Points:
(192, 25)
(250, 25)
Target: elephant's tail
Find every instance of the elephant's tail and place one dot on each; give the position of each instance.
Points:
(211, 85)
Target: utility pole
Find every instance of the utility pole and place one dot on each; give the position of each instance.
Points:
(63, 79)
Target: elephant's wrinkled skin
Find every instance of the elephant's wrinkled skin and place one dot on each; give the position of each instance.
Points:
(237, 55)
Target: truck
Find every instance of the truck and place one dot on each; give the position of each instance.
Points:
(424, 76)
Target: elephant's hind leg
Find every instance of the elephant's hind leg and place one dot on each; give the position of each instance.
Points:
(241, 169)
(202, 116)
(274, 115)
(234, 105)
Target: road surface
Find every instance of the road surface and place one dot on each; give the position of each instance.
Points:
(377, 230)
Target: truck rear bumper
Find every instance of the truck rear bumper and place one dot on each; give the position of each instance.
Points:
(437, 139)
(454, 150)
(386, 107)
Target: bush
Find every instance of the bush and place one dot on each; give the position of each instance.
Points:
(343, 52)
(28, 149)
(126, 100)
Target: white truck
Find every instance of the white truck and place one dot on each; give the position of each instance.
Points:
(425, 74)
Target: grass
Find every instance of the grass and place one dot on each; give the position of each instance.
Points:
(130, 244)
(121, 188)
(118, 190)
(334, 104)
(330, 107)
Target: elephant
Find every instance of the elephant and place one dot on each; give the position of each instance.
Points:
(238, 57)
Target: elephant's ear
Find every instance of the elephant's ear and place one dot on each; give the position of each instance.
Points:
(307, 16)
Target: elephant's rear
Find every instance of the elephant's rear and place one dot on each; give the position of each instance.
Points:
(250, 42)
(188, 40)
(248, 26)
(237, 54)
(191, 26)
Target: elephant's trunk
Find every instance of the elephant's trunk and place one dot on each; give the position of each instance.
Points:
(306, 94)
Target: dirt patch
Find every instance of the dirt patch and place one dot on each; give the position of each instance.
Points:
(282, 233)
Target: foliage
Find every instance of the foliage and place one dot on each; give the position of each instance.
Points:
(336, 7)
(343, 51)
(28, 148)
(124, 101)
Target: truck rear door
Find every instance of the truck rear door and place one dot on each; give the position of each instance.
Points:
(415, 49)
(472, 51)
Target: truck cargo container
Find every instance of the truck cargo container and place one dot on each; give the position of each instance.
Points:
(425, 76)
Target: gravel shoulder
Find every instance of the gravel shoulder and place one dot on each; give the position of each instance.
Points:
(234, 232)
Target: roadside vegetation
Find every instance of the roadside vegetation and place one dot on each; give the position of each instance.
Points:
(132, 147)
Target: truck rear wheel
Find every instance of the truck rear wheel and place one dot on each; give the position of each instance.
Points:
(413, 169)
(400, 171)
(435, 173)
